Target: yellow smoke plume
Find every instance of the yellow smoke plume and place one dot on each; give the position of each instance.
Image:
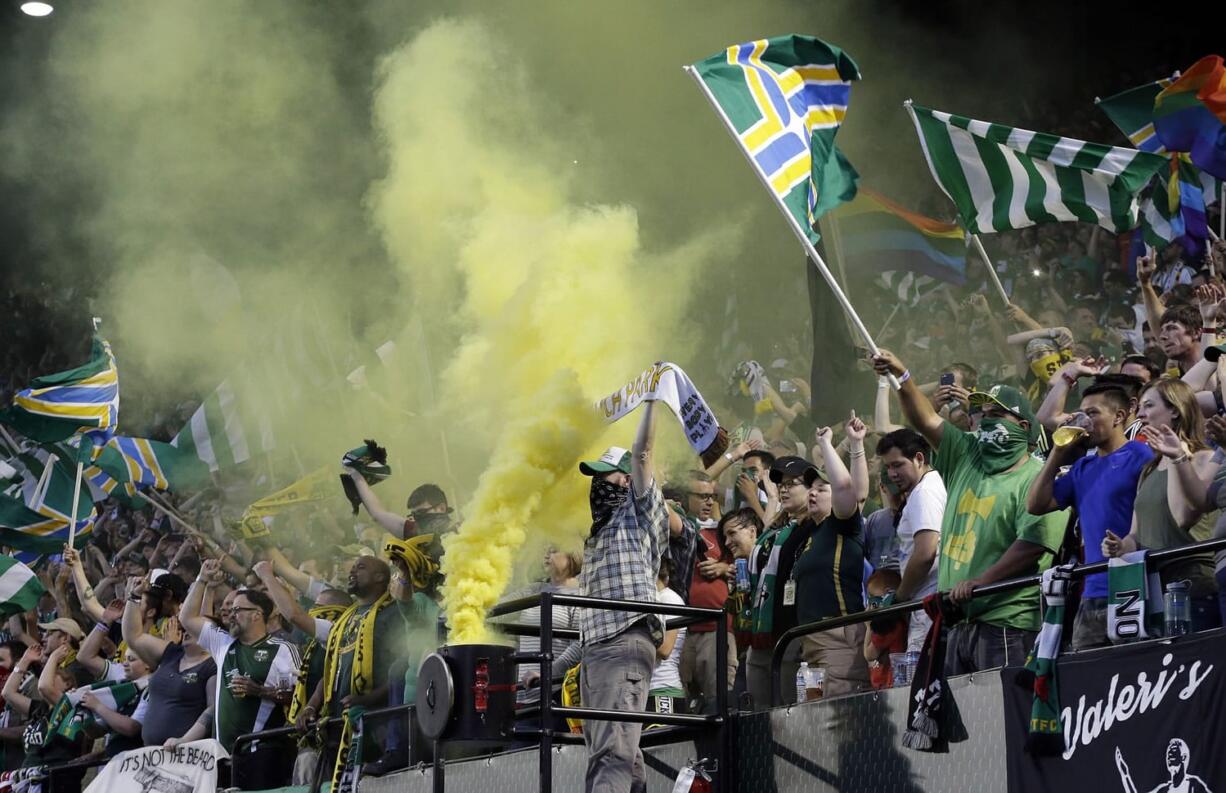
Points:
(556, 303)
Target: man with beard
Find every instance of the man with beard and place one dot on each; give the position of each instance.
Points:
(257, 679)
(621, 556)
(363, 644)
(429, 513)
(986, 533)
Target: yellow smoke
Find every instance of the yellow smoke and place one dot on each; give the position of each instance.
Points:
(557, 302)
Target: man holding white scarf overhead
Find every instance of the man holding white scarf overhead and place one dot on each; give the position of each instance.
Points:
(620, 558)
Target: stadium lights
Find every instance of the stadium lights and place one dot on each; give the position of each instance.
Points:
(35, 9)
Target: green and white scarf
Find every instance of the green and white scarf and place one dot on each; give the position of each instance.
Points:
(1134, 601)
(1046, 736)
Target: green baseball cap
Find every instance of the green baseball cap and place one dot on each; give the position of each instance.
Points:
(615, 458)
(1215, 352)
(1010, 399)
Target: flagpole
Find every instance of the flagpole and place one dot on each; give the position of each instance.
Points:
(76, 500)
(800, 233)
(1004, 297)
(1221, 210)
(170, 513)
(40, 487)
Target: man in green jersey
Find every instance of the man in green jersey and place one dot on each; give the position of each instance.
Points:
(257, 672)
(986, 534)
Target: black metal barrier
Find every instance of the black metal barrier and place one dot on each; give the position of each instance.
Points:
(677, 726)
(690, 615)
(898, 609)
(330, 730)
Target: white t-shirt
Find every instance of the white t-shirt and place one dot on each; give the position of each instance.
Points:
(668, 671)
(924, 510)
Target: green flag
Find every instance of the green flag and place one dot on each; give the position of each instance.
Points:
(20, 589)
(57, 406)
(1004, 178)
(1133, 112)
(34, 510)
(69, 719)
(785, 98)
(224, 431)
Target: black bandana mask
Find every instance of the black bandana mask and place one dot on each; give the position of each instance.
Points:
(605, 498)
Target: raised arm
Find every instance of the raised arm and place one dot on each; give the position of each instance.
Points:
(286, 603)
(915, 406)
(85, 593)
(843, 501)
(12, 686)
(190, 616)
(641, 453)
(856, 431)
(90, 654)
(390, 521)
(1187, 482)
(1154, 307)
(1051, 413)
(149, 647)
(49, 686)
(881, 408)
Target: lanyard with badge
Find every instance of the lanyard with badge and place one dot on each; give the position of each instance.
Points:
(789, 587)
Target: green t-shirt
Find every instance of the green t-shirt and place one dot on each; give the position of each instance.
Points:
(269, 662)
(984, 515)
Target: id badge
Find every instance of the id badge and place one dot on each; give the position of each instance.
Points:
(789, 592)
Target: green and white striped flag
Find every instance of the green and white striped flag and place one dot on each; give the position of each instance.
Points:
(1003, 178)
(19, 588)
(225, 430)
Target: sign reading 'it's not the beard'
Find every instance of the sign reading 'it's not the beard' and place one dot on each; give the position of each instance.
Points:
(1134, 719)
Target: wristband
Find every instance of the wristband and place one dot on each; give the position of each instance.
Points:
(102, 627)
(1208, 331)
(904, 377)
(1068, 378)
(134, 598)
(1181, 459)
(728, 456)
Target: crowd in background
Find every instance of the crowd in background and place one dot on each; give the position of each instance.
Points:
(953, 481)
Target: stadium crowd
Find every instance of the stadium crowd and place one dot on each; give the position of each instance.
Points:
(165, 627)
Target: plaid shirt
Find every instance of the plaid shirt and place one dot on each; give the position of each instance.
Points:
(621, 561)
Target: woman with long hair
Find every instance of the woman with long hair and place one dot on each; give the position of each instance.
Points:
(1172, 503)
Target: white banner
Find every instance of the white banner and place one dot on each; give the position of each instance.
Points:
(667, 383)
(187, 768)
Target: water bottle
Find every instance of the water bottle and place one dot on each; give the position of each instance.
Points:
(1177, 608)
(912, 661)
(802, 682)
(816, 684)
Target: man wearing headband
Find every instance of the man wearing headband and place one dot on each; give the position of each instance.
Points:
(986, 533)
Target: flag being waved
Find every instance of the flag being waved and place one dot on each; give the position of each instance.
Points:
(1002, 178)
(785, 98)
(1190, 115)
(223, 430)
(906, 250)
(57, 406)
(34, 512)
(1133, 112)
(315, 486)
(20, 589)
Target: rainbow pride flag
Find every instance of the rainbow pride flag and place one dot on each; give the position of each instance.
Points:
(1190, 115)
(907, 250)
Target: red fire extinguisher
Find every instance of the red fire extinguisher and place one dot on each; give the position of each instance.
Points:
(694, 778)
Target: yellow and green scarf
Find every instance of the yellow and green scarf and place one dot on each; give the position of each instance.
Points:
(362, 672)
(301, 695)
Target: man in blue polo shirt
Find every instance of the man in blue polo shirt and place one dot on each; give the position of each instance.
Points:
(1101, 487)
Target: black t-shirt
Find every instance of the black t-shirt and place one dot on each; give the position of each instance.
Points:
(175, 698)
(829, 569)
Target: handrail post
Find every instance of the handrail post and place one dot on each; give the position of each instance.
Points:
(721, 701)
(545, 761)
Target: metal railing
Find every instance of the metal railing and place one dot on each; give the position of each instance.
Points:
(676, 725)
(689, 615)
(899, 609)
